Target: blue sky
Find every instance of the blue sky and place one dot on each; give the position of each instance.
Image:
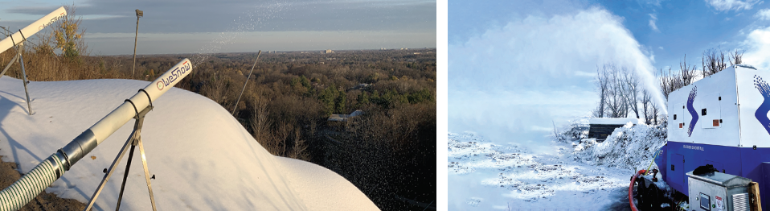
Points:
(516, 68)
(201, 26)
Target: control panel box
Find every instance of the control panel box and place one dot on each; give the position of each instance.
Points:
(717, 191)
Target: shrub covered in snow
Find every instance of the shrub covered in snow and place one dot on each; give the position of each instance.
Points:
(629, 147)
(575, 130)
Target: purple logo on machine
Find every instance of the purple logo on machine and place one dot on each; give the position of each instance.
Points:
(761, 113)
(692, 111)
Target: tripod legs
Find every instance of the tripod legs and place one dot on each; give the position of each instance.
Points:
(146, 173)
(134, 140)
(113, 166)
(137, 141)
(125, 175)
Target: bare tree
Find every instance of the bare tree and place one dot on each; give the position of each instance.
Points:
(736, 58)
(260, 125)
(672, 81)
(714, 62)
(602, 83)
(615, 94)
(613, 99)
(630, 89)
(687, 72)
(299, 150)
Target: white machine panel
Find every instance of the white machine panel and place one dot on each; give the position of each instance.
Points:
(709, 111)
(754, 103)
(718, 124)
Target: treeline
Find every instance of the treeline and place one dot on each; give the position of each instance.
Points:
(712, 62)
(621, 96)
(388, 152)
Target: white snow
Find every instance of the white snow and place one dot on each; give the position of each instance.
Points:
(629, 147)
(493, 176)
(612, 121)
(202, 158)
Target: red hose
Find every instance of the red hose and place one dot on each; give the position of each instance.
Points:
(631, 190)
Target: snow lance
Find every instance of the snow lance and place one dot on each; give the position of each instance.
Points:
(31, 29)
(52, 168)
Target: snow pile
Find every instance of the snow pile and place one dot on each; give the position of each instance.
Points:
(484, 175)
(202, 158)
(629, 147)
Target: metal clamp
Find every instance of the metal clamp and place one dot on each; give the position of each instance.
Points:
(148, 97)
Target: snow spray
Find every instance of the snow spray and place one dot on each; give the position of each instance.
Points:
(248, 22)
(650, 84)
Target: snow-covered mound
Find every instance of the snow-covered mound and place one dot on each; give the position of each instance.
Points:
(629, 147)
(202, 158)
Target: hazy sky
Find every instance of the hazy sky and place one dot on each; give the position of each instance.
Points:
(198, 26)
(515, 68)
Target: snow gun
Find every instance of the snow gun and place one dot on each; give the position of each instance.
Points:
(31, 29)
(717, 157)
(52, 168)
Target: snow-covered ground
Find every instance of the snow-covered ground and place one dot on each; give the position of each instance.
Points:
(202, 158)
(484, 175)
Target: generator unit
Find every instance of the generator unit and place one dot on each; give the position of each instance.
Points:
(717, 191)
(721, 120)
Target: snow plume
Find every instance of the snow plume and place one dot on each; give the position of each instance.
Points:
(531, 71)
(628, 147)
(248, 21)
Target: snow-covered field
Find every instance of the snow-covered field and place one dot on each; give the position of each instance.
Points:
(504, 176)
(202, 158)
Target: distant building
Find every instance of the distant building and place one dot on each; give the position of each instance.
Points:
(361, 86)
(327, 51)
(600, 128)
(344, 117)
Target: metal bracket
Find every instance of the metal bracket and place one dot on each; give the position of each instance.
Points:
(133, 140)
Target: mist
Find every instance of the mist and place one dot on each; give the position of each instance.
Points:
(513, 83)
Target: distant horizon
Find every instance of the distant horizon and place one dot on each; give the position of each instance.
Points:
(234, 26)
(278, 51)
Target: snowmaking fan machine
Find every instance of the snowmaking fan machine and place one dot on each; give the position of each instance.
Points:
(718, 152)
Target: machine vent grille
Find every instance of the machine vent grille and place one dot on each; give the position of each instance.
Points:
(740, 202)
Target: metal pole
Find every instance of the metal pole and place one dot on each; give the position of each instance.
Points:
(247, 81)
(24, 72)
(136, 37)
